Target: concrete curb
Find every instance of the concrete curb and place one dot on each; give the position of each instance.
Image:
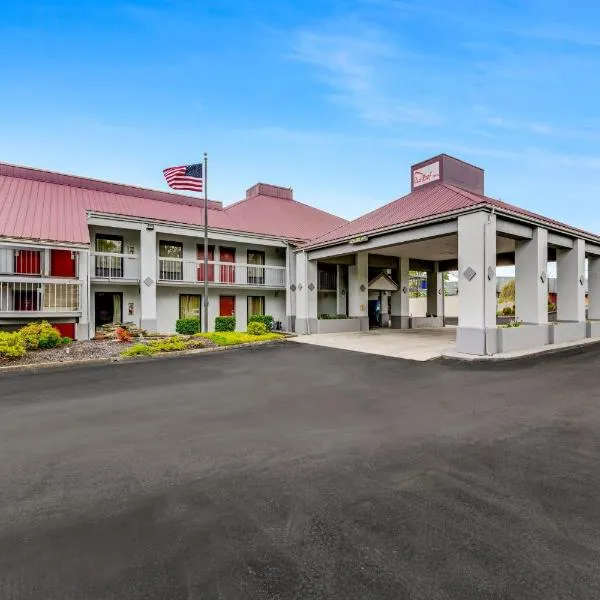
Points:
(126, 359)
(549, 350)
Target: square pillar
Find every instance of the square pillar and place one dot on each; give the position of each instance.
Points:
(400, 316)
(358, 290)
(341, 291)
(435, 293)
(306, 294)
(531, 278)
(148, 272)
(476, 333)
(570, 284)
(594, 288)
(83, 274)
(290, 289)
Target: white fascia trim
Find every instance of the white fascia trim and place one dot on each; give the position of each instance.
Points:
(108, 220)
(41, 244)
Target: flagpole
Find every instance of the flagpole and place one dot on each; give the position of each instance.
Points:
(205, 319)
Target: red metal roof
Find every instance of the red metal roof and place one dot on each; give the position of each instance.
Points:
(428, 202)
(42, 205)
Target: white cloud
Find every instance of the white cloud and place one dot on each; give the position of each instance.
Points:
(355, 65)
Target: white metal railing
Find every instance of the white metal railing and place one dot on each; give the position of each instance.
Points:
(326, 280)
(41, 296)
(221, 273)
(109, 265)
(21, 261)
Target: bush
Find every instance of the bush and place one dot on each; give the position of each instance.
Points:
(266, 319)
(551, 307)
(508, 310)
(138, 350)
(40, 336)
(65, 341)
(122, 334)
(256, 328)
(171, 344)
(12, 346)
(233, 338)
(326, 317)
(187, 326)
(225, 324)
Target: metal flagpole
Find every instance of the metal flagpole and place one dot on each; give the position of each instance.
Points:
(205, 174)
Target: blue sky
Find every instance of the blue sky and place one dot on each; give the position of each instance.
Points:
(334, 98)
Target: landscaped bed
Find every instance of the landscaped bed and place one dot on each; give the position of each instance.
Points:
(40, 344)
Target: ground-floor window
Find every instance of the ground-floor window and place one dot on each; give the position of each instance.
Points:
(108, 308)
(189, 306)
(256, 305)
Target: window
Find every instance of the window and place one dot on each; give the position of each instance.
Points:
(189, 306)
(109, 266)
(171, 260)
(256, 274)
(256, 305)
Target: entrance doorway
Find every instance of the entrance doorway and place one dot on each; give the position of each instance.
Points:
(108, 308)
(375, 312)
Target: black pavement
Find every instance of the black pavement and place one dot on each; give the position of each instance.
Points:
(293, 472)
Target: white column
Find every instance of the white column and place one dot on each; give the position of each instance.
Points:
(148, 272)
(531, 278)
(83, 274)
(358, 289)
(290, 294)
(476, 333)
(341, 292)
(306, 294)
(594, 288)
(401, 298)
(570, 290)
(435, 292)
(241, 312)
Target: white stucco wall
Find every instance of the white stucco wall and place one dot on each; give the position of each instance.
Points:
(418, 306)
(326, 303)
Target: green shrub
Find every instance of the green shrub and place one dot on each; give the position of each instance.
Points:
(187, 326)
(256, 328)
(65, 341)
(225, 324)
(138, 350)
(12, 346)
(233, 338)
(40, 336)
(326, 317)
(172, 344)
(266, 319)
(508, 310)
(551, 307)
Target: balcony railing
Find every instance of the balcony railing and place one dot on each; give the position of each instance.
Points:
(40, 296)
(220, 273)
(327, 280)
(108, 265)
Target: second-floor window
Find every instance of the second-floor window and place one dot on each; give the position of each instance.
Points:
(170, 259)
(256, 269)
(107, 265)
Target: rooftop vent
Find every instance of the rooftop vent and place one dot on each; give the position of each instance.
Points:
(447, 169)
(265, 189)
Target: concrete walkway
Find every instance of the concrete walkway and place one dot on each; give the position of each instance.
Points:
(411, 344)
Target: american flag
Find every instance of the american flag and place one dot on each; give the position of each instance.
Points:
(186, 177)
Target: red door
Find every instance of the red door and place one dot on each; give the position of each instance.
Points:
(227, 306)
(27, 262)
(62, 263)
(227, 271)
(200, 257)
(65, 329)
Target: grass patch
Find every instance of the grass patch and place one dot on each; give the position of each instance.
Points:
(231, 338)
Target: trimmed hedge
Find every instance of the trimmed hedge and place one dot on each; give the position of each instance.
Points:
(187, 326)
(225, 324)
(267, 320)
(256, 328)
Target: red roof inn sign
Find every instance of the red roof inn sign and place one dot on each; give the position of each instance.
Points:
(426, 174)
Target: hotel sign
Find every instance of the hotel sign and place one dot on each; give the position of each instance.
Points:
(360, 239)
(426, 174)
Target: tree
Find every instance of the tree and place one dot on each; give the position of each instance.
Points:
(507, 293)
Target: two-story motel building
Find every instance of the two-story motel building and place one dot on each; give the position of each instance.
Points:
(83, 253)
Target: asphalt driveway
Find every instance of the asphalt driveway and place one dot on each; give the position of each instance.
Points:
(295, 471)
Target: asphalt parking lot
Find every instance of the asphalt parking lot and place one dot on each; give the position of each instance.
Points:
(293, 472)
